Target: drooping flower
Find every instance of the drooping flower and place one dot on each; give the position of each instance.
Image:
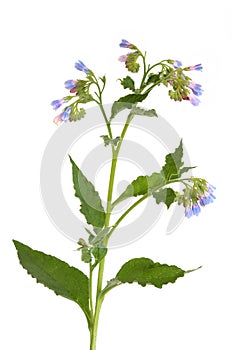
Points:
(192, 209)
(196, 209)
(126, 44)
(70, 84)
(57, 120)
(81, 66)
(188, 212)
(130, 61)
(57, 103)
(196, 88)
(193, 99)
(66, 114)
(177, 64)
(196, 67)
(122, 58)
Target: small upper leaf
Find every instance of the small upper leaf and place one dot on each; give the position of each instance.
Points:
(133, 98)
(91, 205)
(108, 141)
(117, 107)
(173, 164)
(99, 254)
(165, 195)
(144, 271)
(128, 83)
(144, 112)
(55, 274)
(141, 186)
(153, 78)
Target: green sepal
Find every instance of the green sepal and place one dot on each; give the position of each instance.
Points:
(145, 272)
(77, 114)
(91, 205)
(55, 274)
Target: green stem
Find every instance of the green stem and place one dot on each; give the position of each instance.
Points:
(105, 119)
(99, 298)
(94, 329)
(90, 289)
(127, 212)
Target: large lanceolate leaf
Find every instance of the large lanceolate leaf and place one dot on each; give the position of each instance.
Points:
(91, 205)
(144, 271)
(141, 186)
(56, 275)
(174, 163)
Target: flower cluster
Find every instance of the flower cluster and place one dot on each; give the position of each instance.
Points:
(81, 90)
(183, 88)
(130, 59)
(200, 195)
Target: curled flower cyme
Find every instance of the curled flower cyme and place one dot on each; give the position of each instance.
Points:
(193, 208)
(81, 66)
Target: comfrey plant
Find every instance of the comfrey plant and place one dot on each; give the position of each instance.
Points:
(72, 283)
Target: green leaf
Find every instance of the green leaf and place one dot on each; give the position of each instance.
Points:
(99, 254)
(186, 169)
(141, 186)
(166, 196)
(118, 107)
(101, 234)
(56, 275)
(91, 206)
(128, 83)
(86, 255)
(173, 163)
(133, 98)
(126, 102)
(108, 141)
(153, 79)
(144, 271)
(144, 112)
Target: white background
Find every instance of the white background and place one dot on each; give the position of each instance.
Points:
(39, 45)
